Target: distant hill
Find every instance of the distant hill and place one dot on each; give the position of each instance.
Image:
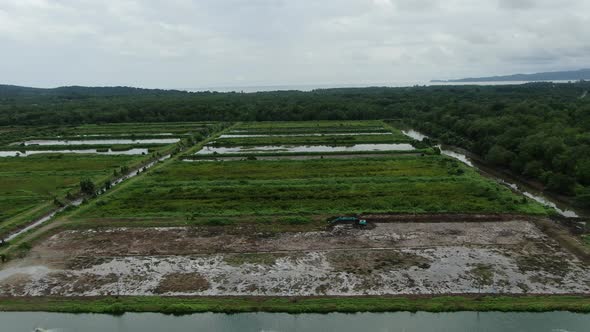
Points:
(574, 75)
(73, 91)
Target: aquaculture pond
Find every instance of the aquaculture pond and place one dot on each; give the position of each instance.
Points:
(232, 135)
(304, 148)
(102, 141)
(25, 153)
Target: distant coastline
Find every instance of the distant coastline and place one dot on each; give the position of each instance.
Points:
(573, 75)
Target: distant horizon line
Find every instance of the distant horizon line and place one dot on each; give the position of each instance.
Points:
(298, 87)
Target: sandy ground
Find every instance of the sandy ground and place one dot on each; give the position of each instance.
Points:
(389, 258)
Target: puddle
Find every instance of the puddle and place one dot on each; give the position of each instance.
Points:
(299, 135)
(102, 141)
(304, 148)
(139, 151)
(30, 270)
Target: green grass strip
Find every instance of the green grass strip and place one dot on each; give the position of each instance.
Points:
(186, 305)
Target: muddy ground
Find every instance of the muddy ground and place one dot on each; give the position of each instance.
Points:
(388, 258)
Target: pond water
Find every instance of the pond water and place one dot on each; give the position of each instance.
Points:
(102, 141)
(300, 135)
(397, 321)
(26, 153)
(304, 148)
(528, 192)
(294, 157)
(118, 134)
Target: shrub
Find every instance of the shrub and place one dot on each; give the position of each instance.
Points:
(87, 186)
(296, 220)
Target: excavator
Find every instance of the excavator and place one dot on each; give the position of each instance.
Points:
(348, 220)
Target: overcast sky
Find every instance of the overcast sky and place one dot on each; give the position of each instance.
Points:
(210, 43)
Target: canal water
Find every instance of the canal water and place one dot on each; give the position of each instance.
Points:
(399, 321)
(46, 218)
(518, 187)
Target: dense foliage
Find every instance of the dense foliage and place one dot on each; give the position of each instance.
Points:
(539, 130)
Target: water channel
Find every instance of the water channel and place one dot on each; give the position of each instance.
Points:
(49, 216)
(395, 321)
(518, 187)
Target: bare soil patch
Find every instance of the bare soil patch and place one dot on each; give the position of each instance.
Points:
(113, 242)
(391, 258)
(182, 282)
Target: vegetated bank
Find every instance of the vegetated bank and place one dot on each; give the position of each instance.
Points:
(188, 305)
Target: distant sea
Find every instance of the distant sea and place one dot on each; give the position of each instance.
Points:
(310, 87)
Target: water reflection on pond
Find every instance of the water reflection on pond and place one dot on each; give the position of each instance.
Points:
(102, 141)
(304, 148)
(139, 151)
(230, 135)
(395, 321)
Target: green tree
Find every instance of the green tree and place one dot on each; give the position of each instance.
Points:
(498, 155)
(561, 183)
(87, 187)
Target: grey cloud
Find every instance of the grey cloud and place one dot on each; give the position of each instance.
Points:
(516, 4)
(201, 43)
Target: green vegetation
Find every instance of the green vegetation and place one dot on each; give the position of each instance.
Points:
(186, 305)
(316, 133)
(30, 184)
(35, 185)
(408, 184)
(538, 130)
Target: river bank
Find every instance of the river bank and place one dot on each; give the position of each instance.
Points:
(534, 190)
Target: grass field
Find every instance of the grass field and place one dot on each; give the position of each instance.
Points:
(397, 184)
(35, 180)
(30, 184)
